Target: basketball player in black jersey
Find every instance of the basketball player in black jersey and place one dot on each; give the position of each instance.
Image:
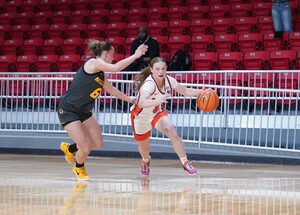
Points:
(75, 108)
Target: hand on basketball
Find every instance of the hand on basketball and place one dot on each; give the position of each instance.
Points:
(141, 50)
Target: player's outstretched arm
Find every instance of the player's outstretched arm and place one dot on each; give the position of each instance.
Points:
(117, 93)
(183, 90)
(97, 64)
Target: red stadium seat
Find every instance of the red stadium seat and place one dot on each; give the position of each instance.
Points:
(4, 31)
(30, 5)
(47, 4)
(158, 27)
(288, 80)
(80, 16)
(262, 9)
(224, 42)
(256, 60)
(219, 11)
(12, 47)
(222, 25)
(204, 60)
(39, 31)
(7, 63)
(118, 43)
(296, 23)
(199, 26)
(198, 12)
(8, 18)
(25, 18)
(77, 30)
(132, 28)
(179, 27)
(118, 15)
(163, 43)
(64, 4)
(249, 41)
(281, 59)
(157, 13)
(72, 46)
(96, 30)
(19, 31)
(118, 57)
(52, 46)
(230, 60)
(265, 24)
(47, 63)
(57, 31)
(273, 44)
(178, 42)
(117, 29)
(43, 17)
(128, 43)
(68, 63)
(165, 55)
(294, 41)
(26, 63)
(200, 43)
(61, 17)
(177, 13)
(245, 24)
(240, 10)
(32, 46)
(137, 14)
(98, 16)
(261, 80)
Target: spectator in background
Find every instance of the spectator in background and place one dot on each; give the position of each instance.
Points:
(153, 50)
(282, 17)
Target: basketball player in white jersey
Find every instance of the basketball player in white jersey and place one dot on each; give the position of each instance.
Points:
(154, 87)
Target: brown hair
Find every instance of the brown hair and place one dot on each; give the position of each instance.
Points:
(141, 77)
(97, 47)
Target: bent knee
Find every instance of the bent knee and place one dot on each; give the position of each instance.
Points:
(171, 132)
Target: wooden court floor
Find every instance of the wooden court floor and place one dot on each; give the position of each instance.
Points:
(46, 186)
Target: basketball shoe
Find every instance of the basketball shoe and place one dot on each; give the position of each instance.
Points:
(68, 155)
(80, 173)
(145, 170)
(189, 168)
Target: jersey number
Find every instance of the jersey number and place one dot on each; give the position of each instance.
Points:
(95, 93)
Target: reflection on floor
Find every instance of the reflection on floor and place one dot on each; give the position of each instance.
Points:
(29, 185)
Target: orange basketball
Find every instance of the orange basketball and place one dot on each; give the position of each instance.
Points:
(208, 100)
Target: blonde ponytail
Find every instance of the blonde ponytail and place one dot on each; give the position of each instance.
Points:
(141, 77)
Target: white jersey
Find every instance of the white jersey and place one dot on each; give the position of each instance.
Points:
(151, 86)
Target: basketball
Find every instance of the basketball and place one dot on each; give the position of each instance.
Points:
(208, 100)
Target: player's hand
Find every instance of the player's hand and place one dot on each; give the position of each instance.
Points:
(141, 50)
(163, 98)
(132, 101)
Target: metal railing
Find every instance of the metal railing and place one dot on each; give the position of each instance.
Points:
(258, 109)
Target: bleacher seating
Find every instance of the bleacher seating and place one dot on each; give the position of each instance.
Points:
(52, 35)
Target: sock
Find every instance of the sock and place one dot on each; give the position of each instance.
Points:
(79, 165)
(183, 160)
(73, 148)
(146, 160)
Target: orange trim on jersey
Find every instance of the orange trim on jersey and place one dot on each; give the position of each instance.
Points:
(138, 137)
(158, 117)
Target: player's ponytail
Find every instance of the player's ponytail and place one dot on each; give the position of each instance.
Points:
(141, 77)
(97, 47)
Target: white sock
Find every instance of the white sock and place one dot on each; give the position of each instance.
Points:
(146, 159)
(183, 159)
